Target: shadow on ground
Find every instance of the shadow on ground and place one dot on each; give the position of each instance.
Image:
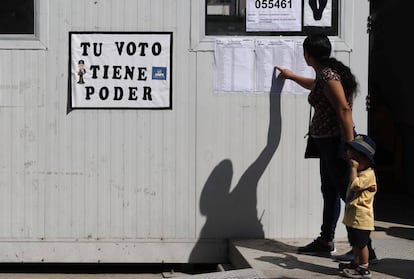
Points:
(395, 267)
(285, 256)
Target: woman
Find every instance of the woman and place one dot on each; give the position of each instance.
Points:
(331, 96)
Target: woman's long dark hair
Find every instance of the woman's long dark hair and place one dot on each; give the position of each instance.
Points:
(319, 47)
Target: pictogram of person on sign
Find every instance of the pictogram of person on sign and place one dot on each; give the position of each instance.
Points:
(81, 71)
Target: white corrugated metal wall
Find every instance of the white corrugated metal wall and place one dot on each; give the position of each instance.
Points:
(141, 185)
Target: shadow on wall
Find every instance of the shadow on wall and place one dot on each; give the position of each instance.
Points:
(234, 214)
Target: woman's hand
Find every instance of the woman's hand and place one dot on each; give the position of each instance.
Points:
(285, 73)
(305, 82)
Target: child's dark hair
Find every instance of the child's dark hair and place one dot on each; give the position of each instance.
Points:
(319, 47)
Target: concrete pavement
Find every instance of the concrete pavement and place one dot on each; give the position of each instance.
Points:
(279, 259)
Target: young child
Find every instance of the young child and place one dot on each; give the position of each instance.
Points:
(359, 212)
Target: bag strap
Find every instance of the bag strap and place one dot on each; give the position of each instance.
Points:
(310, 121)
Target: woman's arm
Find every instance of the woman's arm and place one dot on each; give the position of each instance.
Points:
(301, 80)
(335, 93)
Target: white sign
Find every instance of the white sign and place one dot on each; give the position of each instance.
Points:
(234, 65)
(248, 65)
(120, 70)
(271, 52)
(318, 13)
(286, 53)
(274, 15)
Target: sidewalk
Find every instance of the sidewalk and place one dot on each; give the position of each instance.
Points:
(273, 258)
(277, 258)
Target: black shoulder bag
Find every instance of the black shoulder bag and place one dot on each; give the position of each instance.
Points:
(311, 150)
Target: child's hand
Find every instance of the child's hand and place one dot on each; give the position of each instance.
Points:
(354, 163)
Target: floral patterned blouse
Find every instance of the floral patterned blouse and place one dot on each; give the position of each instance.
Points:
(324, 121)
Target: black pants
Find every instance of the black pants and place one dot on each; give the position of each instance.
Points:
(334, 173)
